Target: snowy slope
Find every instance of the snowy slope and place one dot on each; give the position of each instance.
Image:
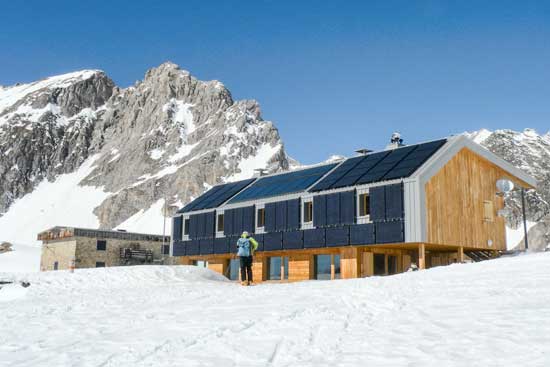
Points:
(62, 202)
(493, 313)
(23, 258)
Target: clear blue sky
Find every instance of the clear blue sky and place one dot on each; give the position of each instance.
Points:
(332, 75)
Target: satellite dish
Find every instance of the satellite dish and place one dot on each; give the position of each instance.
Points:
(505, 185)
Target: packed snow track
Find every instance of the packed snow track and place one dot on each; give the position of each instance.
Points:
(494, 313)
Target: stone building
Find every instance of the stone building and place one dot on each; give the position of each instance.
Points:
(92, 248)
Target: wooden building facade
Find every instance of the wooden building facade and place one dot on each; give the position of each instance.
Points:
(427, 204)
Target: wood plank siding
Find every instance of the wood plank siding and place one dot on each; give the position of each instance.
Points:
(457, 200)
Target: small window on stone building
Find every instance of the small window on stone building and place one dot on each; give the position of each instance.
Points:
(166, 249)
(56, 265)
(488, 211)
(99, 264)
(101, 245)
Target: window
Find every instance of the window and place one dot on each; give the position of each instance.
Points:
(379, 264)
(308, 211)
(186, 227)
(274, 268)
(260, 217)
(200, 263)
(101, 245)
(234, 266)
(220, 223)
(337, 272)
(275, 265)
(488, 211)
(166, 249)
(322, 267)
(56, 265)
(99, 264)
(364, 202)
(392, 264)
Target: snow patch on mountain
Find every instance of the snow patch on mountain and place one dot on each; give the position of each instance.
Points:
(148, 220)
(61, 202)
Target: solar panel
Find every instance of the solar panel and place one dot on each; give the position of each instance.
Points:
(216, 196)
(362, 168)
(385, 165)
(282, 184)
(338, 173)
(407, 166)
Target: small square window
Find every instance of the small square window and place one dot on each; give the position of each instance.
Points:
(166, 249)
(220, 223)
(261, 217)
(186, 227)
(101, 245)
(308, 211)
(364, 205)
(488, 211)
(99, 264)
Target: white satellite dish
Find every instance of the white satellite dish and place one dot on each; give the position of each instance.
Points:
(505, 185)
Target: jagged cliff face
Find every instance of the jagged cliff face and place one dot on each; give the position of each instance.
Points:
(530, 152)
(170, 137)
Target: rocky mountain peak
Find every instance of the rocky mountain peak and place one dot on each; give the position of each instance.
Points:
(167, 138)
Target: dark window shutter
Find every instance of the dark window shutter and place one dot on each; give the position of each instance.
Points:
(320, 211)
(293, 210)
(248, 219)
(394, 202)
(347, 207)
(210, 222)
(280, 222)
(228, 222)
(333, 209)
(377, 204)
(270, 216)
(177, 223)
(238, 221)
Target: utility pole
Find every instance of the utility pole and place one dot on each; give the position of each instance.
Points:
(524, 217)
(163, 230)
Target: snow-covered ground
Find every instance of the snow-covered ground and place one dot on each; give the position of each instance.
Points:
(494, 313)
(23, 258)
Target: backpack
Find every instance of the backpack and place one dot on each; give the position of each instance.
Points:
(243, 247)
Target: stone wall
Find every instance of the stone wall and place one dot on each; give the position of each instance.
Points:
(84, 251)
(87, 254)
(61, 251)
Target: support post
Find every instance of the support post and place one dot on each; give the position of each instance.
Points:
(460, 255)
(421, 256)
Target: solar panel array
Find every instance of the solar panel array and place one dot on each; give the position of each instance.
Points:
(216, 196)
(381, 166)
(282, 184)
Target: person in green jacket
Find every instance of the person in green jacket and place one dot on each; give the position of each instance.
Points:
(246, 245)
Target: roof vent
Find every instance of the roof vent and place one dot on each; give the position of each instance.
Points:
(395, 142)
(363, 151)
(259, 172)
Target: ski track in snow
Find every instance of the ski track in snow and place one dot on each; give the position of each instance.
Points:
(493, 313)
